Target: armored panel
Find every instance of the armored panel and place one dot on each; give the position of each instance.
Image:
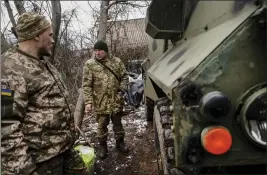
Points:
(183, 58)
(164, 19)
(236, 68)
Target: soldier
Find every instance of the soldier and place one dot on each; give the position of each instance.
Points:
(37, 126)
(104, 80)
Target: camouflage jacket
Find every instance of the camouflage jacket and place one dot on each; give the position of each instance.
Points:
(100, 86)
(36, 120)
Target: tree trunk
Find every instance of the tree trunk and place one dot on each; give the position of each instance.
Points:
(103, 20)
(79, 110)
(20, 7)
(4, 44)
(56, 21)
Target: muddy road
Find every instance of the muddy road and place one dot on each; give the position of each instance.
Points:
(139, 137)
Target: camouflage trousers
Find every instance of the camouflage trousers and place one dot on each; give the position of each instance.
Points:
(103, 122)
(67, 163)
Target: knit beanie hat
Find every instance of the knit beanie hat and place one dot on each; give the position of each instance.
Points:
(101, 45)
(30, 25)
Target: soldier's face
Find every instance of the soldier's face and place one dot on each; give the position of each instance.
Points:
(46, 42)
(100, 54)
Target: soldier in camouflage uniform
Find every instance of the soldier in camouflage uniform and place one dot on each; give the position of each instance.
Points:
(37, 126)
(103, 94)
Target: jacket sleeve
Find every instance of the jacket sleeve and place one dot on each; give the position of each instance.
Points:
(124, 77)
(87, 84)
(14, 156)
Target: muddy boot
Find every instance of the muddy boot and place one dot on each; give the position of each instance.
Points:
(120, 145)
(103, 150)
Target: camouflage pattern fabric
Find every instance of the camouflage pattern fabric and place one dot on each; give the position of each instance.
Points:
(30, 25)
(103, 121)
(67, 163)
(100, 86)
(36, 121)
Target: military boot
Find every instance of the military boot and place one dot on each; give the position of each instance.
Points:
(103, 150)
(120, 145)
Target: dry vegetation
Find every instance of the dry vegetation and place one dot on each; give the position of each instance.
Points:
(74, 47)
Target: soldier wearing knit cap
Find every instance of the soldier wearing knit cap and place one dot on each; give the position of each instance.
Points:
(103, 94)
(101, 45)
(31, 25)
(37, 125)
(35, 34)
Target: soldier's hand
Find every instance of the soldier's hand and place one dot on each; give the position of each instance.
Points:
(88, 108)
(121, 93)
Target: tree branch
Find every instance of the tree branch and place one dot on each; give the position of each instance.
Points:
(36, 7)
(115, 2)
(10, 13)
(4, 44)
(41, 6)
(67, 24)
(20, 7)
(94, 11)
(133, 5)
(11, 17)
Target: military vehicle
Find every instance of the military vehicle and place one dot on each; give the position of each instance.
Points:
(205, 85)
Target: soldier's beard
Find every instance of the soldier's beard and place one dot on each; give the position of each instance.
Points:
(44, 52)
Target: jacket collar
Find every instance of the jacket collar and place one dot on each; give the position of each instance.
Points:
(28, 55)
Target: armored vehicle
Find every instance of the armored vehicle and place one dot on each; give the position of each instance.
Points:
(205, 85)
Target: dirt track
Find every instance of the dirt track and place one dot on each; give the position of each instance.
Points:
(139, 137)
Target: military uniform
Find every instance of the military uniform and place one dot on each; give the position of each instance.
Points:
(37, 125)
(102, 90)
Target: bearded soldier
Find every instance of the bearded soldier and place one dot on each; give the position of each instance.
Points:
(37, 126)
(104, 80)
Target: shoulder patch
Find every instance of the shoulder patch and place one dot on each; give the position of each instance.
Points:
(7, 100)
(7, 92)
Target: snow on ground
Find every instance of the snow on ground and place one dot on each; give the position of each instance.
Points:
(139, 137)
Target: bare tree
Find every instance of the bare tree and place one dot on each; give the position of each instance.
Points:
(106, 5)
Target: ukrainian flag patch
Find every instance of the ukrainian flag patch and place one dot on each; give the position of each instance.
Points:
(6, 92)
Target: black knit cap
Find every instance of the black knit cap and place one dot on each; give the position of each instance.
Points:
(101, 45)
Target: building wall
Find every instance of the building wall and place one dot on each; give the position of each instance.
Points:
(129, 33)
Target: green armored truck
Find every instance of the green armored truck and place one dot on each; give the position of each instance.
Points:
(205, 85)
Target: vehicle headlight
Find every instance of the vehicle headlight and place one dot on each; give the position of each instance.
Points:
(253, 116)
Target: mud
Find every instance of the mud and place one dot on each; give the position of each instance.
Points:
(139, 137)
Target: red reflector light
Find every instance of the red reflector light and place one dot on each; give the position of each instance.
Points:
(216, 140)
